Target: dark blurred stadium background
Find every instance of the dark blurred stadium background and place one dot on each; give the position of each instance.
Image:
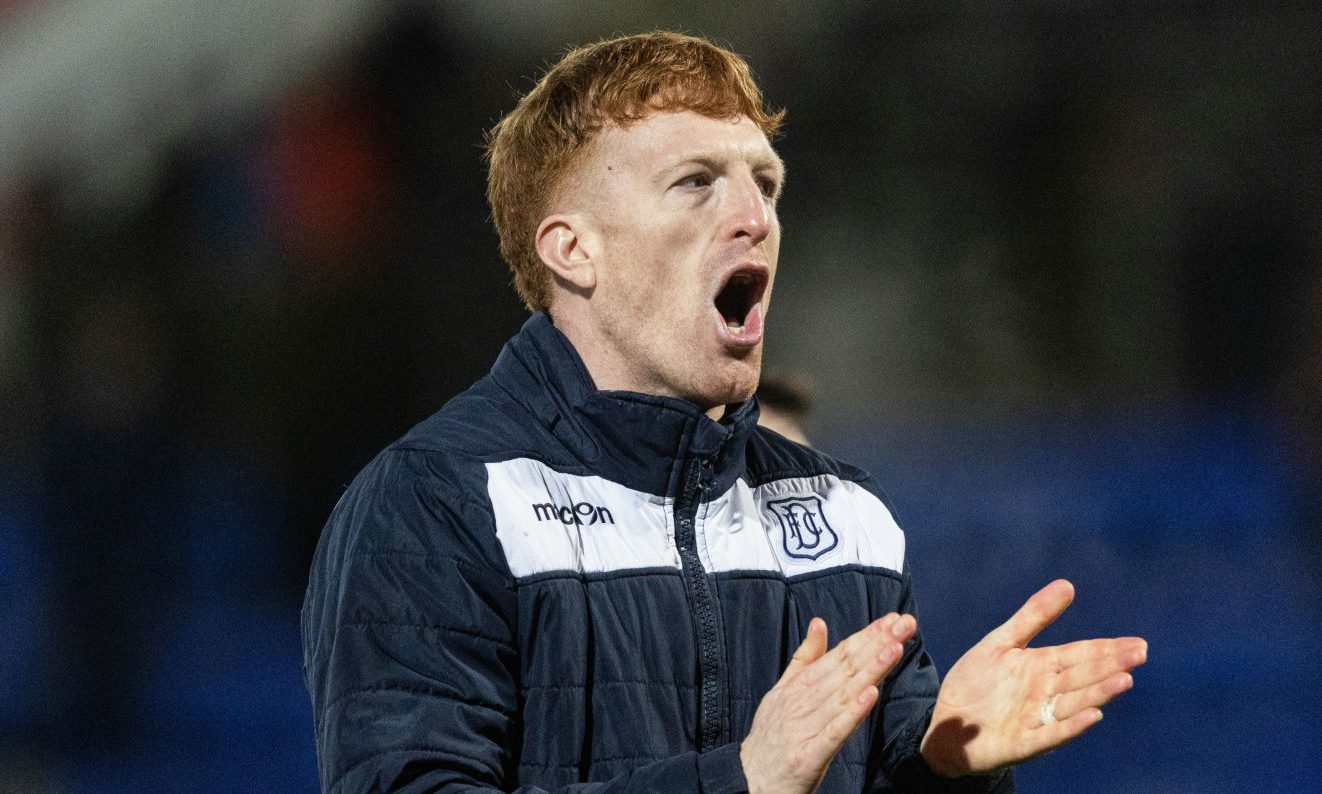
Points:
(1053, 267)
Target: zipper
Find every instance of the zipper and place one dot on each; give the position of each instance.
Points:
(702, 604)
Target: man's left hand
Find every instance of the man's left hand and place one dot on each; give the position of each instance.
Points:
(1003, 702)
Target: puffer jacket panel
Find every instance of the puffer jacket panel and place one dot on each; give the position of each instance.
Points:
(547, 588)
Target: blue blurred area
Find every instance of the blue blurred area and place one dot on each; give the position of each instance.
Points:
(224, 709)
(217, 703)
(1183, 527)
(25, 567)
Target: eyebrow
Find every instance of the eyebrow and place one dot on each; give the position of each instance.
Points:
(761, 163)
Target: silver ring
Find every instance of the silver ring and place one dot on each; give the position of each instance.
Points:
(1048, 710)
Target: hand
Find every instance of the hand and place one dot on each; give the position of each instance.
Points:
(989, 712)
(817, 703)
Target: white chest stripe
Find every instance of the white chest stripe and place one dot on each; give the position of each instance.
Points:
(548, 521)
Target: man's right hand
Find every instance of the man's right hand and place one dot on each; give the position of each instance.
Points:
(822, 697)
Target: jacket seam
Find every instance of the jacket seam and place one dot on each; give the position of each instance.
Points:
(644, 758)
(398, 553)
(658, 684)
(501, 456)
(596, 760)
(597, 576)
(358, 624)
(765, 477)
(446, 694)
(344, 771)
(908, 696)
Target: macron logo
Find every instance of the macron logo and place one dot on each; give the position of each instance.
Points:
(580, 513)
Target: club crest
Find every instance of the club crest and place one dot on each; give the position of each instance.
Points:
(805, 532)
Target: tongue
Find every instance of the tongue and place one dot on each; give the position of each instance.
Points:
(750, 325)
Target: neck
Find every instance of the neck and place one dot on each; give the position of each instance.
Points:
(610, 371)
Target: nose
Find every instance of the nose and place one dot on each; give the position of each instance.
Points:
(750, 213)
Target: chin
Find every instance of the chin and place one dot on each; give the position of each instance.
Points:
(734, 383)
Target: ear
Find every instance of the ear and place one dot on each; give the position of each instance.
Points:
(567, 244)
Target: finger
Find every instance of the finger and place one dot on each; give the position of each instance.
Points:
(1133, 648)
(870, 661)
(868, 654)
(831, 686)
(848, 654)
(903, 629)
(1038, 612)
(810, 650)
(1092, 696)
(1049, 737)
(1096, 669)
(827, 742)
(879, 640)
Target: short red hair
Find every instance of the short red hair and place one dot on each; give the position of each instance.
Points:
(620, 80)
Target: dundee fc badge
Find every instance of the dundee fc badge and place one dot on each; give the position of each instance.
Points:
(805, 533)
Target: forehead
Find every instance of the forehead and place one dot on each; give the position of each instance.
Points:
(666, 139)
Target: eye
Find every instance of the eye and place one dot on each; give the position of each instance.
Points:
(769, 187)
(698, 180)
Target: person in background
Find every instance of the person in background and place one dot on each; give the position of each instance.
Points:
(785, 403)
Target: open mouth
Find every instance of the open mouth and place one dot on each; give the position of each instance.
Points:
(739, 303)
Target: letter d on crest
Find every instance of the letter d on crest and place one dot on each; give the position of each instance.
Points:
(805, 532)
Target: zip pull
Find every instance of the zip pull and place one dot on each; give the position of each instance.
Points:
(705, 475)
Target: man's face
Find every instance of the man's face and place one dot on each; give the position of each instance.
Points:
(686, 209)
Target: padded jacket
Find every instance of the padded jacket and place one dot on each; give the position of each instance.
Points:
(545, 587)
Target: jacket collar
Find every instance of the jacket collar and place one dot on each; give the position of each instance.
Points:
(638, 440)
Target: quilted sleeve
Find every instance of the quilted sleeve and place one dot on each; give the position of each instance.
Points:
(410, 654)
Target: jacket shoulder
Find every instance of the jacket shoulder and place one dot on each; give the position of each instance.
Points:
(478, 423)
(425, 495)
(771, 457)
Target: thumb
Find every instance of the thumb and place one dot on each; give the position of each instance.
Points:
(1039, 611)
(810, 650)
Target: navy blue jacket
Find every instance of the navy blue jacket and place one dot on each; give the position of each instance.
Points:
(545, 587)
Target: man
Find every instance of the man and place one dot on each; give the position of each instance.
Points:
(784, 404)
(591, 571)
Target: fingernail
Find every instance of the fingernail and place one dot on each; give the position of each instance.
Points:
(899, 627)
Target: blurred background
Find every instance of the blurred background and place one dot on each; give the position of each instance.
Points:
(1054, 270)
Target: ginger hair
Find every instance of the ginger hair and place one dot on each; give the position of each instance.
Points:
(533, 149)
